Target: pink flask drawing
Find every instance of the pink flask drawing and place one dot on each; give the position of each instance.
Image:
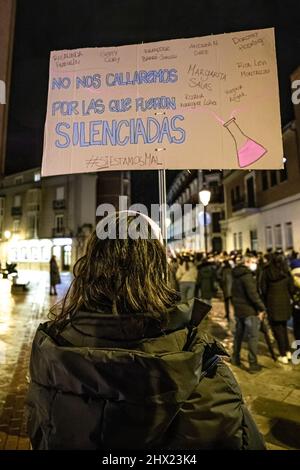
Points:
(248, 151)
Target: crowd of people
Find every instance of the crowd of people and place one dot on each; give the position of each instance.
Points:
(258, 286)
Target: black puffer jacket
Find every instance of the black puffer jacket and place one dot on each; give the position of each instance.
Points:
(207, 280)
(120, 382)
(277, 289)
(245, 297)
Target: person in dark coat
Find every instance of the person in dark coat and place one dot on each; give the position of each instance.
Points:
(295, 272)
(225, 277)
(207, 280)
(277, 290)
(296, 302)
(54, 275)
(124, 365)
(249, 310)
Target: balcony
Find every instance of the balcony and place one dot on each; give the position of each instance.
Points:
(59, 204)
(61, 232)
(243, 204)
(16, 211)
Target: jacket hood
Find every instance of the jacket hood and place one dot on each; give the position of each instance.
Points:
(206, 270)
(105, 360)
(240, 270)
(274, 274)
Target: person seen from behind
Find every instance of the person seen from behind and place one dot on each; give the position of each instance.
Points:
(186, 276)
(225, 278)
(207, 280)
(277, 289)
(124, 363)
(295, 272)
(249, 310)
(54, 275)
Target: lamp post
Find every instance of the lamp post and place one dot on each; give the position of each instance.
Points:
(204, 196)
(7, 234)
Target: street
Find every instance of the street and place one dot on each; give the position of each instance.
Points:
(273, 395)
(20, 315)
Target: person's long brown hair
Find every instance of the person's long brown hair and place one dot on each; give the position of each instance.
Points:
(119, 276)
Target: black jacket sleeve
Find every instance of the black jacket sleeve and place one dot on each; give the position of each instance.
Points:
(252, 293)
(216, 417)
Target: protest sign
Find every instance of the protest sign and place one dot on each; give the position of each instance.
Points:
(205, 103)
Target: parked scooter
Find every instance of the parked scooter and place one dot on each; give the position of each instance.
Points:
(11, 268)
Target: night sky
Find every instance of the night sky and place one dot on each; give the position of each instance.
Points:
(42, 26)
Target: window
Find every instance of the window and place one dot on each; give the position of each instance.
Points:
(17, 200)
(253, 240)
(2, 202)
(18, 179)
(33, 199)
(59, 223)
(46, 253)
(269, 237)
(217, 244)
(35, 253)
(32, 225)
(273, 176)
(278, 236)
(235, 241)
(240, 241)
(37, 177)
(289, 243)
(24, 253)
(264, 180)
(250, 192)
(33, 196)
(232, 197)
(214, 189)
(67, 256)
(216, 217)
(283, 174)
(60, 193)
(16, 225)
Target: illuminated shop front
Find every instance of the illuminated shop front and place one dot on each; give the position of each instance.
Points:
(36, 253)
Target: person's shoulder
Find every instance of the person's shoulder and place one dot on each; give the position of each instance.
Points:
(211, 345)
(45, 331)
(215, 366)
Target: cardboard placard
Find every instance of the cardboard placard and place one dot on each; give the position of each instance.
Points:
(204, 103)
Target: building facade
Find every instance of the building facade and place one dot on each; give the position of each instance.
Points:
(262, 208)
(186, 229)
(54, 215)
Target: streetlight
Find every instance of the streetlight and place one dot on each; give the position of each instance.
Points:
(7, 234)
(204, 196)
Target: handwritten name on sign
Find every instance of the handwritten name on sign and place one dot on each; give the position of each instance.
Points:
(209, 102)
